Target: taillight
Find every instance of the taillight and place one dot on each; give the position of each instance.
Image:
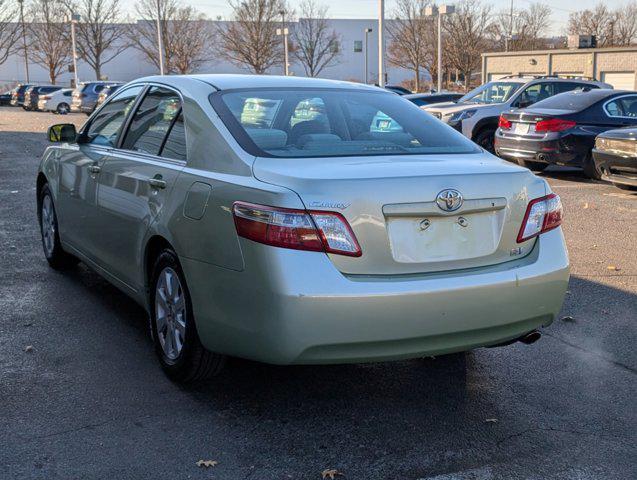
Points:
(315, 231)
(503, 123)
(554, 125)
(542, 214)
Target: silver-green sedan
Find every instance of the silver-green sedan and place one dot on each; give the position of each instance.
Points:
(300, 221)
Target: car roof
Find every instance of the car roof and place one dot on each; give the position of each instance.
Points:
(430, 95)
(234, 81)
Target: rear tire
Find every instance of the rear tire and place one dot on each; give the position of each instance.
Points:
(181, 354)
(56, 256)
(485, 139)
(63, 108)
(590, 170)
(534, 166)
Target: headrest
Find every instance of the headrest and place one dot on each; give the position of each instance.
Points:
(268, 138)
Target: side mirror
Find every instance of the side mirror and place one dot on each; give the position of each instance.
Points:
(62, 132)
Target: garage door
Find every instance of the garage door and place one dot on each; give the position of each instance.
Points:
(497, 76)
(620, 80)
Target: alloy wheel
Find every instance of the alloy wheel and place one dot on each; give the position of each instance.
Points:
(170, 313)
(48, 225)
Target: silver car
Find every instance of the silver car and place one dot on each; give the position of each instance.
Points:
(282, 220)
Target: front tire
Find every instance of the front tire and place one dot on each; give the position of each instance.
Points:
(177, 344)
(590, 170)
(534, 166)
(63, 108)
(56, 256)
(485, 139)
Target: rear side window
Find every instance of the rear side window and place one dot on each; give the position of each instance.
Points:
(622, 107)
(298, 123)
(175, 145)
(108, 122)
(152, 121)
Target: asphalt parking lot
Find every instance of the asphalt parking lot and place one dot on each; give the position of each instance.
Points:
(82, 396)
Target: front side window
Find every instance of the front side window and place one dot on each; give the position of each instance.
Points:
(492, 92)
(108, 122)
(152, 121)
(536, 92)
(622, 107)
(334, 122)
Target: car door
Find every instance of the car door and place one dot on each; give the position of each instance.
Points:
(137, 178)
(80, 166)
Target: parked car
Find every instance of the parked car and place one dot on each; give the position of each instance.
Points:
(5, 98)
(562, 129)
(32, 95)
(107, 92)
(398, 89)
(476, 114)
(17, 95)
(57, 102)
(85, 96)
(292, 244)
(422, 99)
(615, 157)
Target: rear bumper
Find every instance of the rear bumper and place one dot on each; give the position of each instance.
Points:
(616, 168)
(291, 307)
(557, 152)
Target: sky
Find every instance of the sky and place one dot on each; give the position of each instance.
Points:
(369, 8)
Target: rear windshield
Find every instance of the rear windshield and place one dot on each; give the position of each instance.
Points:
(576, 100)
(333, 122)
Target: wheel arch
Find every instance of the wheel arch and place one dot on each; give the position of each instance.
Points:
(484, 123)
(154, 246)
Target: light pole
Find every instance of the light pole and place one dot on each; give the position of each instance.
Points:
(24, 41)
(439, 12)
(160, 46)
(285, 32)
(74, 19)
(381, 43)
(367, 32)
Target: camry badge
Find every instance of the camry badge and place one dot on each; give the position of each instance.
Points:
(449, 200)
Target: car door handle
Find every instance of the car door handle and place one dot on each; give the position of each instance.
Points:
(94, 168)
(156, 183)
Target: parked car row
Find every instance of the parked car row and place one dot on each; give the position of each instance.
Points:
(57, 99)
(539, 121)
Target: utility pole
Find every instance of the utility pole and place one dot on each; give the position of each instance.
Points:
(439, 12)
(506, 42)
(367, 32)
(74, 19)
(24, 41)
(284, 31)
(381, 43)
(160, 45)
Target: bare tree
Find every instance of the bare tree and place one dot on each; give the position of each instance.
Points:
(467, 36)
(315, 45)
(9, 29)
(599, 22)
(48, 36)
(526, 29)
(625, 26)
(412, 38)
(100, 35)
(186, 35)
(250, 39)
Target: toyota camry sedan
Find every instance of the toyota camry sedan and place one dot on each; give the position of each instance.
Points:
(275, 219)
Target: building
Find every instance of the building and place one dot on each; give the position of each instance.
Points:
(616, 66)
(131, 64)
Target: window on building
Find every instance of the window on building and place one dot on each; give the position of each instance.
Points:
(358, 46)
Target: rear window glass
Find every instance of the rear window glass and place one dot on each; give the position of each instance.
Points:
(299, 123)
(575, 100)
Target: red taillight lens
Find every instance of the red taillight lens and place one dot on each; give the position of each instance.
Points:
(503, 123)
(297, 229)
(542, 214)
(554, 125)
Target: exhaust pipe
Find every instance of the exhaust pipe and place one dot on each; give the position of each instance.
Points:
(542, 157)
(530, 337)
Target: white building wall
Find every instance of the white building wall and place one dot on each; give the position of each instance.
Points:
(130, 64)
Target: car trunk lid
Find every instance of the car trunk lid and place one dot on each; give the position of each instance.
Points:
(391, 205)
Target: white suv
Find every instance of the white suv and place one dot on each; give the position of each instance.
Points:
(476, 114)
(57, 102)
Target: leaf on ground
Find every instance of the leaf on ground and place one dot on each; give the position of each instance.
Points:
(207, 463)
(585, 206)
(28, 348)
(613, 268)
(491, 420)
(331, 473)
